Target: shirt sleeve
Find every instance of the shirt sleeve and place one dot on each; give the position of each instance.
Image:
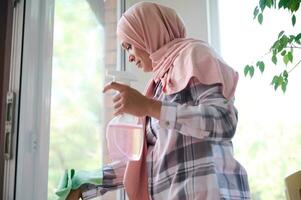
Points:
(208, 116)
(113, 174)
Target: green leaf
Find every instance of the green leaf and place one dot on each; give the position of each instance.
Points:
(285, 74)
(262, 4)
(260, 65)
(285, 80)
(294, 5)
(282, 3)
(290, 56)
(280, 44)
(284, 40)
(275, 82)
(283, 86)
(297, 38)
(269, 3)
(255, 12)
(291, 39)
(260, 18)
(280, 80)
(251, 71)
(293, 20)
(286, 59)
(280, 34)
(274, 45)
(246, 70)
(283, 52)
(274, 59)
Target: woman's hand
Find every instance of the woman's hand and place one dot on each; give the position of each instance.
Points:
(75, 194)
(133, 102)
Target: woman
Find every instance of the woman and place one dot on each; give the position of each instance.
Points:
(188, 111)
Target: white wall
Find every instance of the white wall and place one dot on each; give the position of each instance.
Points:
(194, 15)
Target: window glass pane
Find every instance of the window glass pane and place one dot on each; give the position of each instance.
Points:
(268, 136)
(81, 52)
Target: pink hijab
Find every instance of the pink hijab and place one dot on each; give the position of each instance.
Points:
(159, 31)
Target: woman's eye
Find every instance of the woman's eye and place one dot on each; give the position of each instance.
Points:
(128, 47)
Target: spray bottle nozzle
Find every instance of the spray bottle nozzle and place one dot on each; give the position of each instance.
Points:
(121, 76)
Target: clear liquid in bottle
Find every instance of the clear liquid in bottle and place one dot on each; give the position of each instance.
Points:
(125, 140)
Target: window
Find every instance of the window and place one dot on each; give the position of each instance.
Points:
(84, 46)
(76, 103)
(268, 138)
(61, 51)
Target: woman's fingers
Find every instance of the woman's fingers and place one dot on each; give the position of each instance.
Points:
(128, 100)
(117, 97)
(119, 107)
(114, 86)
(118, 112)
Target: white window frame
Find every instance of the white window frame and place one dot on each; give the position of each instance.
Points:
(213, 24)
(35, 96)
(14, 86)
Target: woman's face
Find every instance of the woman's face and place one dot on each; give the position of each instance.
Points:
(138, 56)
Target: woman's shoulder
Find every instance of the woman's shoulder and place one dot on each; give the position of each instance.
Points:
(194, 90)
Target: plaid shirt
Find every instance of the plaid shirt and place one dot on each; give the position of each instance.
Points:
(190, 153)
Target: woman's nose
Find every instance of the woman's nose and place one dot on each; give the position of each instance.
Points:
(131, 58)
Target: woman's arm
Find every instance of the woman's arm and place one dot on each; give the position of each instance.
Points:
(112, 179)
(207, 116)
(153, 108)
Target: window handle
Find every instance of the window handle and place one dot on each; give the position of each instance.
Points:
(9, 122)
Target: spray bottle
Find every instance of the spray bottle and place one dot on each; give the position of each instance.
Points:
(124, 134)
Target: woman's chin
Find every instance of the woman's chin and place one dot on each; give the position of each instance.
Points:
(146, 70)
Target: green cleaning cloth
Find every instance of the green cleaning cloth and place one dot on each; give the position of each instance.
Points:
(73, 179)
